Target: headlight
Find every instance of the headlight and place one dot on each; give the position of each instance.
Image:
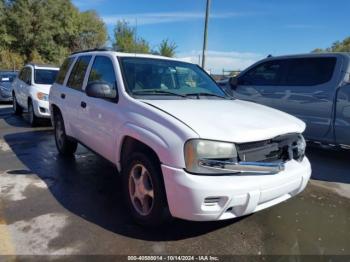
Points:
(197, 149)
(299, 149)
(42, 96)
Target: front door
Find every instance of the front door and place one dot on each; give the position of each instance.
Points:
(259, 83)
(100, 117)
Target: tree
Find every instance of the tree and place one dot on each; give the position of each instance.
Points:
(47, 30)
(92, 31)
(343, 46)
(5, 38)
(125, 39)
(10, 60)
(167, 48)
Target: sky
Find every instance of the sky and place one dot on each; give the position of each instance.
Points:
(240, 32)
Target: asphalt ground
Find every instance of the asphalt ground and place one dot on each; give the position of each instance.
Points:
(54, 206)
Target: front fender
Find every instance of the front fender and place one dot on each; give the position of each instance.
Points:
(168, 146)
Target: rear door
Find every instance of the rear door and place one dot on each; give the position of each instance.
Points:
(307, 91)
(259, 83)
(73, 94)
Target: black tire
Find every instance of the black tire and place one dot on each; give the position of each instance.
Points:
(17, 109)
(65, 145)
(33, 119)
(159, 212)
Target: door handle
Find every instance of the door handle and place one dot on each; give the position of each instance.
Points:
(83, 104)
(63, 96)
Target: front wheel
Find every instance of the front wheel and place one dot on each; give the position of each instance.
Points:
(65, 146)
(33, 119)
(144, 190)
(17, 109)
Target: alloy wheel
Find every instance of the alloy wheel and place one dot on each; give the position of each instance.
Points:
(141, 189)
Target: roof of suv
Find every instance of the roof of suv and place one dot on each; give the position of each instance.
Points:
(309, 55)
(38, 66)
(121, 54)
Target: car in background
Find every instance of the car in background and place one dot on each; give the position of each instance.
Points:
(313, 87)
(6, 79)
(31, 91)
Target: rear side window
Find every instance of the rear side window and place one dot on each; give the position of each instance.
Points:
(27, 75)
(265, 74)
(63, 70)
(77, 75)
(309, 71)
(21, 74)
(102, 70)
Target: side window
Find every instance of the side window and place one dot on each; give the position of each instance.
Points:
(103, 70)
(265, 74)
(77, 74)
(309, 71)
(27, 77)
(63, 70)
(21, 74)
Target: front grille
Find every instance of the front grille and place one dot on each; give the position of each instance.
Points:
(273, 150)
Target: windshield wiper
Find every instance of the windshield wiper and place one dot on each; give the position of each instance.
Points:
(205, 94)
(156, 92)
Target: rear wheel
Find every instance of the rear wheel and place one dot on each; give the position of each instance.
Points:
(33, 119)
(17, 109)
(144, 190)
(65, 146)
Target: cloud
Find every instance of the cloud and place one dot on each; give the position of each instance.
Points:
(216, 61)
(165, 17)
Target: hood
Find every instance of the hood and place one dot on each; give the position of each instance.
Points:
(230, 120)
(43, 88)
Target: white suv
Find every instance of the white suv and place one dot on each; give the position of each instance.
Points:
(31, 91)
(180, 143)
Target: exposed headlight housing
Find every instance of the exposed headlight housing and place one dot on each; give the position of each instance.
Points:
(299, 148)
(198, 149)
(42, 96)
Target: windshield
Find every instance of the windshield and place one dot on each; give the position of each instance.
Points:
(156, 77)
(7, 77)
(45, 76)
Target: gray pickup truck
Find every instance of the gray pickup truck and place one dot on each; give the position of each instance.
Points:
(312, 87)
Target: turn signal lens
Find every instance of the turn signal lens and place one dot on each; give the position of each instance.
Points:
(42, 96)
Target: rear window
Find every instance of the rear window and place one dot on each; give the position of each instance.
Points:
(63, 70)
(45, 76)
(309, 71)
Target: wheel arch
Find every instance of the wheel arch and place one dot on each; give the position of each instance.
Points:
(130, 144)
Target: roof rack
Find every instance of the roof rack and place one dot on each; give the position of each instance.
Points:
(92, 50)
(41, 65)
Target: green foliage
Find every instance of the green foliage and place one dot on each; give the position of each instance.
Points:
(92, 31)
(47, 30)
(125, 39)
(167, 48)
(343, 46)
(10, 60)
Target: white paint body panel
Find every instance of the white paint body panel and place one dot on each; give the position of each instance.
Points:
(231, 120)
(165, 126)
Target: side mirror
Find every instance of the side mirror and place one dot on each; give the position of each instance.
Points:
(100, 89)
(233, 82)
